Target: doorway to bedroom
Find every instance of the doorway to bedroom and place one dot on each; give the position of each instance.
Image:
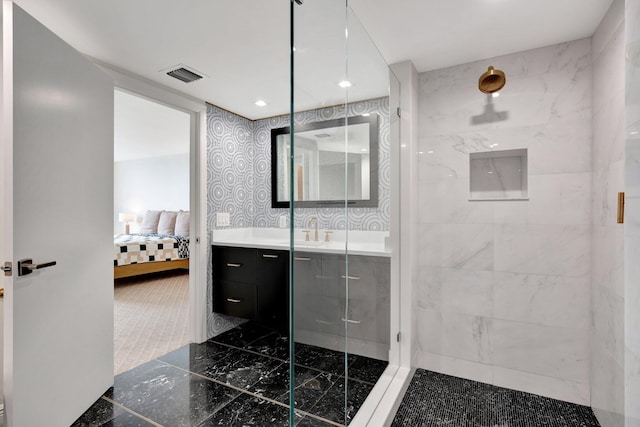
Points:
(151, 229)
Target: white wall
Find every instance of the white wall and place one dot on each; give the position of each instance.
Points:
(504, 286)
(607, 298)
(155, 183)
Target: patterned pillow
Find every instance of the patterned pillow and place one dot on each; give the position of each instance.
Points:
(150, 222)
(167, 224)
(182, 223)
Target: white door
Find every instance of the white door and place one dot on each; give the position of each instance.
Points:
(57, 142)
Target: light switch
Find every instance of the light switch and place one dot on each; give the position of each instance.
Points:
(222, 219)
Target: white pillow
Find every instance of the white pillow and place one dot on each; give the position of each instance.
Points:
(150, 222)
(167, 224)
(182, 223)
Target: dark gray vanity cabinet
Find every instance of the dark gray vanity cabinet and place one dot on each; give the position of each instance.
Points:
(251, 283)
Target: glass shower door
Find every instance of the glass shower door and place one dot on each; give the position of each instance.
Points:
(339, 179)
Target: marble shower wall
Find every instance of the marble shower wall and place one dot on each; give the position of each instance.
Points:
(504, 286)
(239, 179)
(632, 216)
(607, 244)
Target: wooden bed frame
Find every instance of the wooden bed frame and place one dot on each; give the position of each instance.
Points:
(148, 267)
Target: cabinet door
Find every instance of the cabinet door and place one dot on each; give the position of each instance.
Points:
(272, 286)
(234, 264)
(307, 268)
(236, 299)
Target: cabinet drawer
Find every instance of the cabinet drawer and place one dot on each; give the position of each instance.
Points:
(234, 264)
(236, 299)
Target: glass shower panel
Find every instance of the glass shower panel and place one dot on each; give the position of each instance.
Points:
(339, 175)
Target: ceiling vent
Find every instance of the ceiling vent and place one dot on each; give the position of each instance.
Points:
(183, 73)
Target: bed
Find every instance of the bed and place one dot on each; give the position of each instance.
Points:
(150, 252)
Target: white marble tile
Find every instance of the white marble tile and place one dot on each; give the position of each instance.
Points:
(456, 367)
(607, 269)
(632, 160)
(632, 294)
(608, 27)
(467, 246)
(568, 391)
(545, 350)
(544, 300)
(553, 199)
(609, 321)
(560, 250)
(466, 337)
(632, 388)
(429, 245)
(430, 333)
(467, 292)
(429, 287)
(447, 201)
(607, 183)
(607, 383)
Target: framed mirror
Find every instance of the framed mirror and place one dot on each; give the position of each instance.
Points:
(320, 176)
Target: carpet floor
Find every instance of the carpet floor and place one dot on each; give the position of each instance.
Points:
(151, 316)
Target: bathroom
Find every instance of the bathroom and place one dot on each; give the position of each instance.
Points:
(492, 239)
(522, 289)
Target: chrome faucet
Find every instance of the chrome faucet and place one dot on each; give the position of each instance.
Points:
(314, 221)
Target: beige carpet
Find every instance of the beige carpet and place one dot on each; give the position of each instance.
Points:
(151, 317)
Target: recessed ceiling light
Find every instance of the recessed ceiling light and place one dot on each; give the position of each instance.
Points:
(344, 84)
(363, 150)
(366, 115)
(633, 133)
(260, 103)
(430, 152)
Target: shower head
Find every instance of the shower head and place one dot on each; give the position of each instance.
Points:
(492, 81)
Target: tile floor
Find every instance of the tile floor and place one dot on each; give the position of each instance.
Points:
(239, 378)
(441, 400)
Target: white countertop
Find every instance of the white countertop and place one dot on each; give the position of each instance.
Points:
(369, 243)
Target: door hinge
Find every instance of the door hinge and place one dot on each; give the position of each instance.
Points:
(399, 112)
(398, 337)
(7, 268)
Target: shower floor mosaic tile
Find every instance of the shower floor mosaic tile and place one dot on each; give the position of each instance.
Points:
(240, 378)
(434, 399)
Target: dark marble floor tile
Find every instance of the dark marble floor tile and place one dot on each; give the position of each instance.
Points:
(332, 405)
(274, 345)
(434, 399)
(243, 335)
(242, 369)
(365, 368)
(170, 396)
(197, 357)
(127, 420)
(310, 386)
(148, 379)
(320, 358)
(100, 413)
(313, 422)
(247, 410)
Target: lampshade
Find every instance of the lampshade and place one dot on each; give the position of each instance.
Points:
(126, 217)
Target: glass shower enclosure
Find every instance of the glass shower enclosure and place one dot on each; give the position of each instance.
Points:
(335, 173)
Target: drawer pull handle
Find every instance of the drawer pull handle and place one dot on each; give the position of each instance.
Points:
(234, 265)
(357, 322)
(269, 256)
(351, 277)
(235, 300)
(302, 258)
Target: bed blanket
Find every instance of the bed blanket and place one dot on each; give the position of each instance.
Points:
(139, 248)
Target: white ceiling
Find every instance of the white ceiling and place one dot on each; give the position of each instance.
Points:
(242, 46)
(144, 129)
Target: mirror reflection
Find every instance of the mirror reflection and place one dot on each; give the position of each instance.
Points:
(330, 159)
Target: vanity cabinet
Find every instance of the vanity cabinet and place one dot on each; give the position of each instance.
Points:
(325, 301)
(252, 284)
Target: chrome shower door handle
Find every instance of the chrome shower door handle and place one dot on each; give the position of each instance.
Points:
(26, 266)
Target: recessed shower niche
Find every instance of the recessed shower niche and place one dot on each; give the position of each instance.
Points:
(498, 175)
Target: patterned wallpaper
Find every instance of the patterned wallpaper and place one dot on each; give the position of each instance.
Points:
(239, 178)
